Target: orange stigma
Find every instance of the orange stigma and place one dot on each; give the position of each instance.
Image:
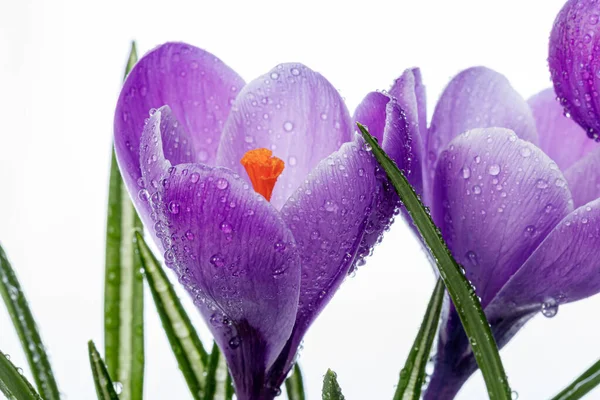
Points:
(263, 170)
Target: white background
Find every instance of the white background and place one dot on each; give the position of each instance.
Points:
(61, 66)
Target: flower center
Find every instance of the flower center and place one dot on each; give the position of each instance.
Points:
(263, 170)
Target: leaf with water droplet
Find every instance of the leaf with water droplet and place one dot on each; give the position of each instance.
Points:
(331, 388)
(191, 356)
(462, 294)
(24, 323)
(13, 384)
(123, 286)
(105, 389)
(413, 374)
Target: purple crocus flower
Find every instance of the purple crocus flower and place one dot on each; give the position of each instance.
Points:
(514, 191)
(259, 272)
(574, 60)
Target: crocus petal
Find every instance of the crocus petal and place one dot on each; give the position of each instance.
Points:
(560, 137)
(371, 113)
(329, 216)
(293, 111)
(397, 132)
(196, 85)
(477, 98)
(584, 177)
(563, 268)
(573, 59)
(409, 92)
(233, 253)
(497, 197)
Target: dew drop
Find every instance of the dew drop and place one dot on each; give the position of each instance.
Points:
(477, 189)
(494, 169)
(279, 246)
(226, 227)
(118, 386)
(194, 177)
(143, 195)
(472, 257)
(217, 260)
(288, 126)
(529, 231)
(466, 172)
(222, 183)
(541, 184)
(330, 205)
(189, 235)
(549, 308)
(525, 151)
(174, 207)
(292, 161)
(295, 71)
(234, 342)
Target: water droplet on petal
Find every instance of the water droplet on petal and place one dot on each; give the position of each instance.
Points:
(466, 172)
(222, 183)
(288, 126)
(529, 231)
(549, 308)
(174, 207)
(494, 169)
(217, 260)
(226, 227)
(234, 342)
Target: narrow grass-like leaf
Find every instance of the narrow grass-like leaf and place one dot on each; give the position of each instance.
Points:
(229, 390)
(26, 328)
(461, 291)
(331, 388)
(187, 347)
(13, 384)
(581, 386)
(105, 389)
(413, 373)
(210, 389)
(124, 286)
(294, 385)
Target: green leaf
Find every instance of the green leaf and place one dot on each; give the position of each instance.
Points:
(294, 384)
(331, 388)
(582, 385)
(229, 389)
(13, 384)
(133, 57)
(23, 321)
(124, 286)
(187, 347)
(461, 291)
(105, 389)
(413, 373)
(216, 375)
